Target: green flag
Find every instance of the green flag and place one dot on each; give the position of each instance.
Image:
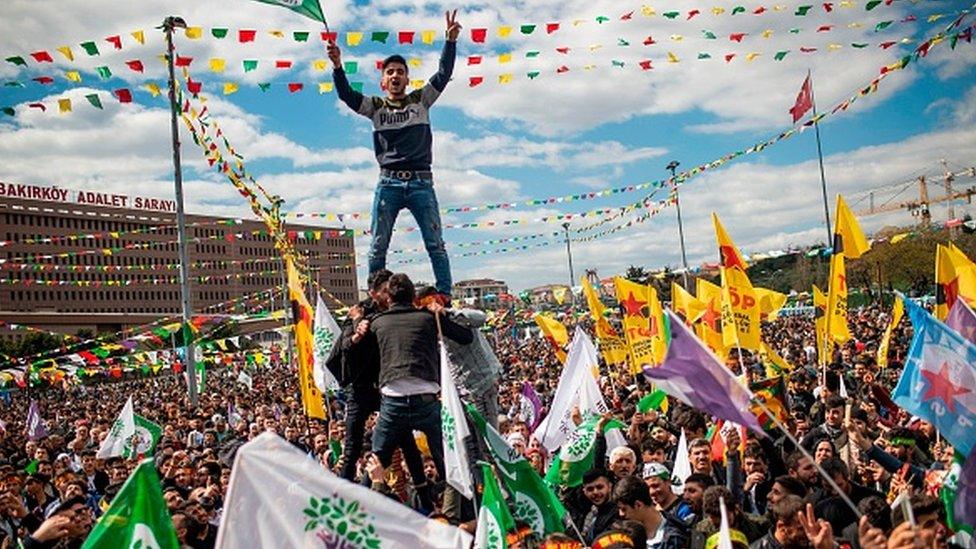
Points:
(308, 8)
(494, 518)
(577, 454)
(138, 516)
(651, 401)
(534, 503)
(950, 487)
(143, 442)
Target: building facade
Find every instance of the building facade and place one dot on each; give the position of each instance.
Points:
(73, 260)
(479, 292)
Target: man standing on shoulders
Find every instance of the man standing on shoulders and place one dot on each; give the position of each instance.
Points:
(402, 141)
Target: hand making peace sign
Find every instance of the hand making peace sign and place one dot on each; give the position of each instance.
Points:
(453, 27)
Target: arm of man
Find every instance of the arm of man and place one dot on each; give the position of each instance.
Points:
(455, 331)
(445, 69)
(352, 98)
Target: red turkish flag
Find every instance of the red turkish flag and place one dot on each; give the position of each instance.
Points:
(804, 100)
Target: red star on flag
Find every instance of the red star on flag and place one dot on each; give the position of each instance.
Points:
(632, 305)
(941, 387)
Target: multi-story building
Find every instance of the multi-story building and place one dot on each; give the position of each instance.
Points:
(480, 292)
(73, 260)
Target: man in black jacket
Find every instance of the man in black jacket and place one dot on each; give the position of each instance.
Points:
(410, 371)
(359, 374)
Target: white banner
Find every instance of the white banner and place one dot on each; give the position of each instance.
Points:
(280, 497)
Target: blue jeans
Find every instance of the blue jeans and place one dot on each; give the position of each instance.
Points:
(399, 417)
(416, 195)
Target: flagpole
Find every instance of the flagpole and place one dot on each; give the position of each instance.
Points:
(169, 24)
(823, 178)
(796, 443)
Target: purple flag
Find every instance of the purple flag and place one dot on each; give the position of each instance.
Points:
(692, 374)
(964, 507)
(530, 407)
(963, 320)
(36, 429)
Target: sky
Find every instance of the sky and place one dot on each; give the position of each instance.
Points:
(596, 126)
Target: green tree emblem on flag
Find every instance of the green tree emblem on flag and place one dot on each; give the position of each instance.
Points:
(580, 443)
(526, 510)
(324, 339)
(343, 525)
(448, 427)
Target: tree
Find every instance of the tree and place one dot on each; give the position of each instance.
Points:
(636, 274)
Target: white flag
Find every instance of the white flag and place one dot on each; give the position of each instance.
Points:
(454, 428)
(724, 535)
(577, 387)
(122, 430)
(245, 379)
(301, 504)
(326, 335)
(682, 466)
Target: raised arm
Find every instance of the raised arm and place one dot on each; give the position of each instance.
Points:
(352, 98)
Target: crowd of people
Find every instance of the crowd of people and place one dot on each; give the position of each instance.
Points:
(387, 360)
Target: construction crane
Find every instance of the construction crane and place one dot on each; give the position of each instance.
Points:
(921, 207)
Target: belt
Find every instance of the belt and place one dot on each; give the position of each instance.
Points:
(425, 398)
(406, 175)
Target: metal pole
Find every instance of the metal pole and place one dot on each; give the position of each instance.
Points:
(673, 165)
(569, 255)
(823, 178)
(168, 25)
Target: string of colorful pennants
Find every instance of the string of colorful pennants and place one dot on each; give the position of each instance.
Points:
(172, 324)
(62, 239)
(126, 282)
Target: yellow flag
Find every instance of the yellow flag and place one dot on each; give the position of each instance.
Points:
(612, 346)
(505, 78)
(415, 62)
(554, 332)
(504, 31)
(820, 325)
(67, 53)
(312, 401)
(848, 237)
(955, 277)
(64, 105)
(685, 304)
(194, 33)
(740, 311)
(709, 327)
(559, 294)
(672, 58)
(73, 76)
(837, 328)
(417, 84)
(320, 65)
(775, 365)
(428, 36)
(153, 88)
(505, 58)
(217, 64)
(139, 36)
(896, 313)
(740, 307)
(354, 38)
(638, 323)
(229, 88)
(325, 87)
(770, 302)
(658, 333)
